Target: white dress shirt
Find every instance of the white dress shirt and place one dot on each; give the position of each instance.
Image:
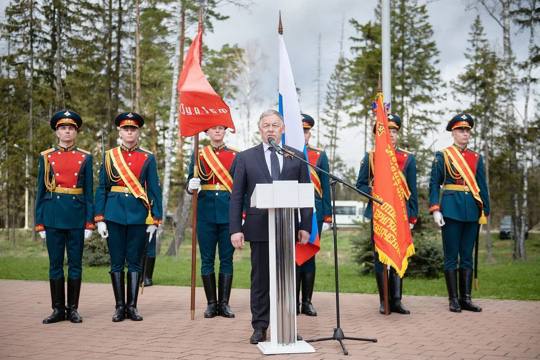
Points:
(267, 154)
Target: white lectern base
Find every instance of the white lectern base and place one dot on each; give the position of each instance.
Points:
(269, 348)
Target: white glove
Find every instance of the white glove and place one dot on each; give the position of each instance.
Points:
(102, 229)
(42, 234)
(151, 229)
(325, 226)
(438, 218)
(194, 184)
(87, 234)
(411, 226)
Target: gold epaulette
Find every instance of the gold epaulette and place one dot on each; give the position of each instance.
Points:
(405, 151)
(48, 151)
(232, 149)
(145, 150)
(84, 151)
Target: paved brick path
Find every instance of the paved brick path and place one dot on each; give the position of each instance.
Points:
(505, 329)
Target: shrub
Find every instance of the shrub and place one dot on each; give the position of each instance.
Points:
(96, 252)
(427, 261)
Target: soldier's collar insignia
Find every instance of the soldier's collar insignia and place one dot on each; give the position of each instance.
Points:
(125, 148)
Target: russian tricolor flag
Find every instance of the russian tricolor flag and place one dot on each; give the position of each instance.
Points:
(294, 137)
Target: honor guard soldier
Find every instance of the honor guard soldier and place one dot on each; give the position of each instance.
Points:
(128, 210)
(407, 165)
(214, 183)
(305, 274)
(64, 212)
(459, 202)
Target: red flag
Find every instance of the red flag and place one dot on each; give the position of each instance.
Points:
(391, 232)
(200, 107)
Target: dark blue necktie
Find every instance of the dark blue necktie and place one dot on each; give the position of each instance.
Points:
(274, 164)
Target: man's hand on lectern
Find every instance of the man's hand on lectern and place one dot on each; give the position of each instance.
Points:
(237, 240)
(303, 237)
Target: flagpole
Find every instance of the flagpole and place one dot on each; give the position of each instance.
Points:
(194, 200)
(386, 51)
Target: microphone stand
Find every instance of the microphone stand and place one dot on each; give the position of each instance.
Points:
(338, 334)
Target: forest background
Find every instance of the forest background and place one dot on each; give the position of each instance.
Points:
(103, 57)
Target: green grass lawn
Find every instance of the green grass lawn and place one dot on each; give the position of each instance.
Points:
(503, 278)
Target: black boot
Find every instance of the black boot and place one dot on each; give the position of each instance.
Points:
(395, 291)
(73, 292)
(308, 282)
(224, 293)
(58, 300)
(298, 282)
(380, 286)
(451, 285)
(150, 262)
(465, 282)
(133, 282)
(209, 283)
(117, 280)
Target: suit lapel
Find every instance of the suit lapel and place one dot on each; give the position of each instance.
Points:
(261, 161)
(287, 159)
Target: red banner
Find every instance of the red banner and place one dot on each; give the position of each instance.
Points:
(391, 232)
(200, 107)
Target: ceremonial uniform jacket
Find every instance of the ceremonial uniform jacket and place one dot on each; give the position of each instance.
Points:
(407, 165)
(64, 189)
(115, 203)
(321, 182)
(457, 204)
(214, 197)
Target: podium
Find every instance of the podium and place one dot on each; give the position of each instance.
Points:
(282, 199)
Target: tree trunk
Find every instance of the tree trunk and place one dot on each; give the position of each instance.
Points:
(527, 159)
(172, 129)
(137, 57)
(318, 80)
(504, 21)
(118, 62)
(29, 163)
(183, 203)
(59, 91)
(109, 77)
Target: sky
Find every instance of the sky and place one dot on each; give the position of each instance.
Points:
(304, 20)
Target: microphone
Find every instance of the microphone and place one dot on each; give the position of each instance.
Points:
(272, 143)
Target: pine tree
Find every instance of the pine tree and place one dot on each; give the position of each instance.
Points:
(333, 118)
(364, 68)
(415, 76)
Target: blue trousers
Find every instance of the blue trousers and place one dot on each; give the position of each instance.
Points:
(60, 241)
(126, 245)
(458, 241)
(211, 235)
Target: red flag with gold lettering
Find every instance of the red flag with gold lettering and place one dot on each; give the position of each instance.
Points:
(200, 107)
(391, 232)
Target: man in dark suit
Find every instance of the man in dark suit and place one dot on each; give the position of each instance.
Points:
(259, 165)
